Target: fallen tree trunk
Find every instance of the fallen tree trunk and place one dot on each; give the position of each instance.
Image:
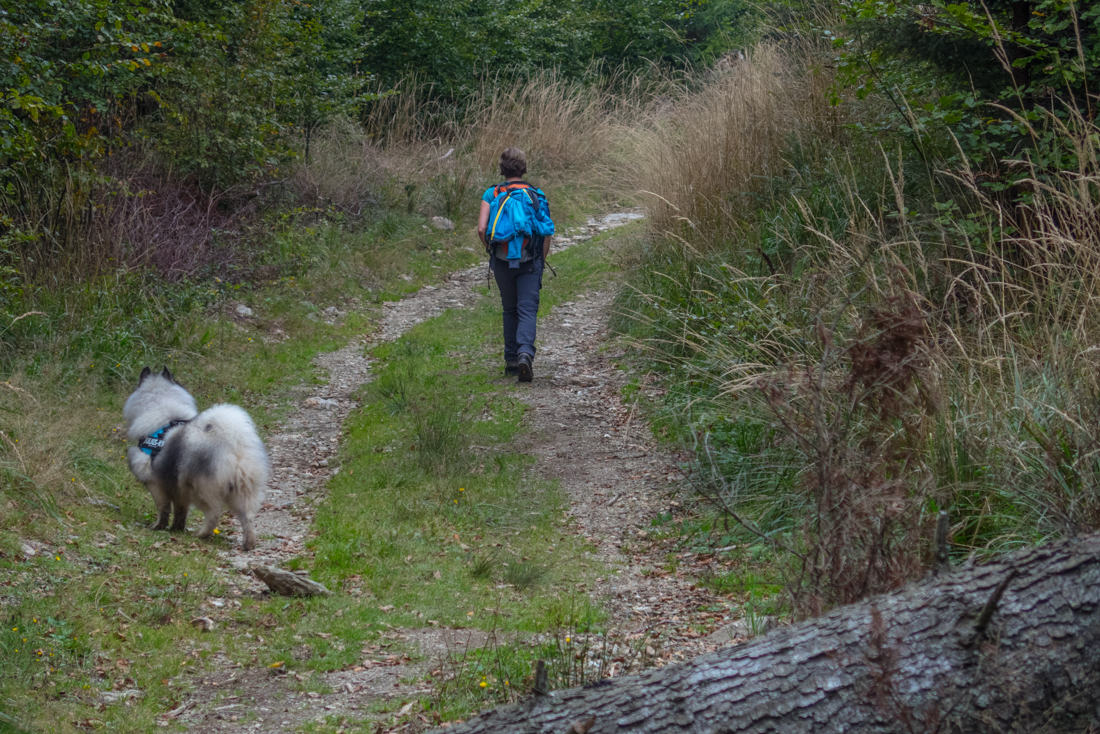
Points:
(1011, 645)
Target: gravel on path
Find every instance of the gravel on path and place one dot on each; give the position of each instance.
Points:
(617, 479)
(601, 450)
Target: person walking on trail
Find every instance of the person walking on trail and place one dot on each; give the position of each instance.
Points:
(515, 227)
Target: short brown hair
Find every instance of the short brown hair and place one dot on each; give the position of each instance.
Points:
(513, 163)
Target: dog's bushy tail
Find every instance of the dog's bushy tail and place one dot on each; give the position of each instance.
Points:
(227, 429)
(140, 464)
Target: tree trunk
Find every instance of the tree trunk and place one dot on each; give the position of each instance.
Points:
(1011, 645)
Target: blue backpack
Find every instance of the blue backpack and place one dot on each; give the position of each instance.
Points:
(519, 218)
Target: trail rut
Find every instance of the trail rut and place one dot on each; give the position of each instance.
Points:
(618, 479)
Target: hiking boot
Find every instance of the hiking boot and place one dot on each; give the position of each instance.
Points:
(510, 369)
(523, 368)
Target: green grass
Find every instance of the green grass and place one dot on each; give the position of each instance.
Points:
(573, 646)
(433, 509)
(429, 484)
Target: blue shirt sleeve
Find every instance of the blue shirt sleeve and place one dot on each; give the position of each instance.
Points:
(488, 197)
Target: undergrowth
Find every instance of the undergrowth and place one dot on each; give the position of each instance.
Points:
(851, 340)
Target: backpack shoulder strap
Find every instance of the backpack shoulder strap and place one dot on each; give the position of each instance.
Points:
(527, 188)
(511, 186)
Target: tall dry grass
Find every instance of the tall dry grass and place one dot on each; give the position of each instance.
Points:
(564, 126)
(571, 131)
(346, 170)
(851, 358)
(708, 150)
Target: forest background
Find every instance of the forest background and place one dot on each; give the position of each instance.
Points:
(868, 283)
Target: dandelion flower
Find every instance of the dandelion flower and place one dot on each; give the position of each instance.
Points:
(484, 684)
(217, 532)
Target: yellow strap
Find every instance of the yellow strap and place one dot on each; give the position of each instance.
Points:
(493, 233)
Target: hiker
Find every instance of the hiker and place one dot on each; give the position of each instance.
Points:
(515, 227)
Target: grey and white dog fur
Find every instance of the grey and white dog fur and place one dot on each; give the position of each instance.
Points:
(213, 461)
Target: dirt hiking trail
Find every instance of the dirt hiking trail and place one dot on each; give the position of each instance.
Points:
(581, 433)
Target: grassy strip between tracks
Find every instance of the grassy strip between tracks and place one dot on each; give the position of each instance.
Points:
(432, 517)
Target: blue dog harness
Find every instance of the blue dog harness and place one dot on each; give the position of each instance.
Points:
(154, 442)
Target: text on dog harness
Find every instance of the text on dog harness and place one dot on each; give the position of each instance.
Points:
(154, 442)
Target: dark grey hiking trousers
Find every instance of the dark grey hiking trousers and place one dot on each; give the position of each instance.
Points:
(519, 295)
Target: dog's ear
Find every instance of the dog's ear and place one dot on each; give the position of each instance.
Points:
(144, 373)
(166, 374)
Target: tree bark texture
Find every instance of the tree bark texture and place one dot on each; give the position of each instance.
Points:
(948, 654)
(288, 583)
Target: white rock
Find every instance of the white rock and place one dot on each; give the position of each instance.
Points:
(442, 223)
(735, 631)
(116, 696)
(244, 310)
(204, 623)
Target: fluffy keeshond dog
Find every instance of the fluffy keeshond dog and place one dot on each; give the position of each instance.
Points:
(211, 460)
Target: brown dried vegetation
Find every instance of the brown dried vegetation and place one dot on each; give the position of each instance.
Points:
(850, 359)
